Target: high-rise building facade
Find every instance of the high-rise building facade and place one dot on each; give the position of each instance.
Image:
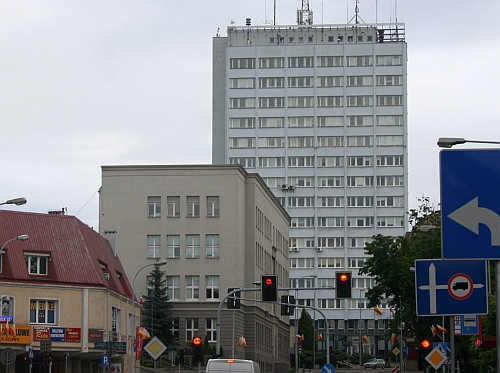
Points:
(320, 112)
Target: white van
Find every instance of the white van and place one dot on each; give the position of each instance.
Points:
(232, 366)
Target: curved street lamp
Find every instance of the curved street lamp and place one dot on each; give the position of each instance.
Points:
(22, 237)
(16, 201)
(159, 264)
(448, 142)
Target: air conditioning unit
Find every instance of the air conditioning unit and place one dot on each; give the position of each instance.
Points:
(291, 188)
(295, 249)
(290, 249)
(319, 249)
(284, 187)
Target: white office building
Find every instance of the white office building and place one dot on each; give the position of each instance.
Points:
(320, 112)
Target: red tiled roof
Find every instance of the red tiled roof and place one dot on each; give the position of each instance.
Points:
(77, 252)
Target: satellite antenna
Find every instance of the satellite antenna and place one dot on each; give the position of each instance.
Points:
(356, 15)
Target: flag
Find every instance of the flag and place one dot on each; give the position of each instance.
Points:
(394, 337)
(441, 329)
(391, 310)
(434, 331)
(241, 342)
(378, 310)
(365, 338)
(143, 333)
(320, 337)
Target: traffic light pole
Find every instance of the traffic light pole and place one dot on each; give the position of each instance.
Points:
(229, 294)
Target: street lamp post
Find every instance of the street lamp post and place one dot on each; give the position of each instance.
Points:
(16, 201)
(22, 237)
(296, 349)
(448, 142)
(161, 263)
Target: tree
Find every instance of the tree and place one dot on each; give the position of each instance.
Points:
(156, 313)
(389, 264)
(306, 328)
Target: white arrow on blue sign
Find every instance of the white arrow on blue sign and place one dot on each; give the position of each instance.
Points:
(470, 203)
(451, 287)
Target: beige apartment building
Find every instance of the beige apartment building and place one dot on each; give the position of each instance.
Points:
(65, 297)
(218, 227)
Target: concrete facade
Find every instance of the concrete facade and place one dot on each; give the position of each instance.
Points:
(218, 227)
(320, 112)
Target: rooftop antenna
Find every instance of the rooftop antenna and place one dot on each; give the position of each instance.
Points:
(305, 14)
(356, 15)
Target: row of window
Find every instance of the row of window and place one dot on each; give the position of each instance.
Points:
(319, 82)
(192, 206)
(308, 142)
(320, 262)
(322, 121)
(329, 283)
(191, 246)
(321, 61)
(321, 161)
(331, 39)
(297, 243)
(337, 201)
(322, 101)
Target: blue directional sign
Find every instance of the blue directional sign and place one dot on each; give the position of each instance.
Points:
(450, 287)
(470, 203)
(327, 368)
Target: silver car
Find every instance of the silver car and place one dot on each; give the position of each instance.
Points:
(375, 363)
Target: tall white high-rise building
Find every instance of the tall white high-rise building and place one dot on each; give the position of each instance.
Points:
(320, 112)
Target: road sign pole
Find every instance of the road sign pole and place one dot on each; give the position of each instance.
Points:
(497, 280)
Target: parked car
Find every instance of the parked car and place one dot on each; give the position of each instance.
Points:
(375, 363)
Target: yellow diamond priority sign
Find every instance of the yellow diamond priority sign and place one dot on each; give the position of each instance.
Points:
(436, 358)
(155, 348)
(395, 351)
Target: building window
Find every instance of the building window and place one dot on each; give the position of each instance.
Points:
(154, 207)
(300, 122)
(330, 81)
(389, 120)
(241, 122)
(241, 103)
(192, 246)
(330, 101)
(330, 141)
(330, 201)
(359, 141)
(301, 201)
(37, 264)
(302, 223)
(265, 162)
(43, 311)
(175, 329)
(211, 329)
(192, 287)
(389, 80)
(7, 306)
(359, 161)
(301, 81)
(173, 246)
(330, 262)
(396, 100)
(192, 329)
(389, 60)
(193, 206)
(173, 287)
(390, 140)
(271, 82)
(359, 61)
(213, 207)
(269, 122)
(116, 319)
(242, 63)
(330, 161)
(390, 221)
(301, 242)
(274, 182)
(301, 181)
(326, 282)
(360, 221)
(360, 121)
(330, 222)
(211, 287)
(241, 83)
(363, 201)
(359, 101)
(301, 262)
(154, 246)
(247, 162)
(330, 121)
(271, 63)
(329, 61)
(271, 142)
(331, 181)
(360, 181)
(212, 245)
(355, 262)
(271, 102)
(301, 102)
(390, 201)
(241, 143)
(330, 242)
(360, 81)
(390, 160)
(301, 161)
(300, 62)
(358, 242)
(174, 207)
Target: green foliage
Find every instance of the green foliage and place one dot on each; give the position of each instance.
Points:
(306, 328)
(390, 261)
(156, 313)
(486, 358)
(337, 356)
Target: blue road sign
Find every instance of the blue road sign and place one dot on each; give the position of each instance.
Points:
(105, 360)
(406, 350)
(450, 287)
(327, 368)
(467, 325)
(31, 353)
(470, 203)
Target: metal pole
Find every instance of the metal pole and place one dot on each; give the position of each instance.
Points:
(232, 354)
(497, 280)
(360, 342)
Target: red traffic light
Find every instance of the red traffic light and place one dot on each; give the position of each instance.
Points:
(425, 343)
(343, 277)
(269, 281)
(197, 341)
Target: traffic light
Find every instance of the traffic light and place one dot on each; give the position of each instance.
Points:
(343, 284)
(233, 301)
(197, 350)
(287, 309)
(269, 288)
(27, 361)
(425, 344)
(181, 357)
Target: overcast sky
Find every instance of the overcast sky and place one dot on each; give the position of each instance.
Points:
(94, 82)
